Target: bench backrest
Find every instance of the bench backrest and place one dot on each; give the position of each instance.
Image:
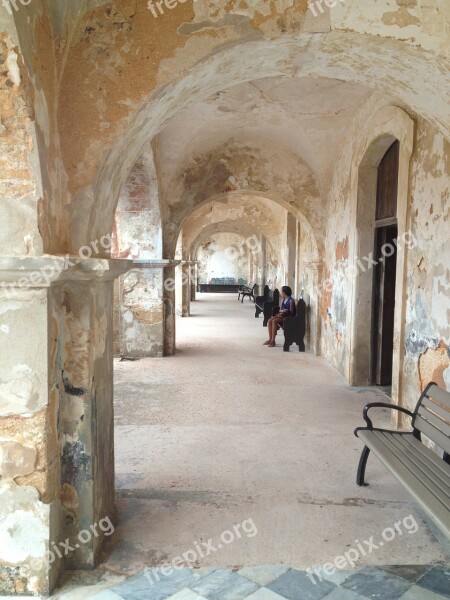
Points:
(266, 292)
(432, 416)
(276, 297)
(301, 308)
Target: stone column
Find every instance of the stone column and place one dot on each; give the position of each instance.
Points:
(291, 243)
(56, 426)
(249, 257)
(141, 299)
(313, 294)
(187, 270)
(263, 266)
(169, 307)
(194, 277)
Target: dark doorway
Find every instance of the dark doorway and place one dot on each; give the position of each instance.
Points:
(385, 255)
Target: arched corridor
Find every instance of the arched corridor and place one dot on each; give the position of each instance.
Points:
(155, 152)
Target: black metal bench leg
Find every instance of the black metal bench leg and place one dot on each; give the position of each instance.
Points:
(362, 467)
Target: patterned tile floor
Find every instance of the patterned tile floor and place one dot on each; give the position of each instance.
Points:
(282, 583)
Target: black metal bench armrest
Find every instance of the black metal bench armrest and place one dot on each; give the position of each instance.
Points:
(383, 405)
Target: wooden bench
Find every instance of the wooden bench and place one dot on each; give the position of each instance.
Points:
(423, 472)
(295, 328)
(247, 290)
(266, 303)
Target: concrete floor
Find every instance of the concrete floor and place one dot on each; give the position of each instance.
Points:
(229, 430)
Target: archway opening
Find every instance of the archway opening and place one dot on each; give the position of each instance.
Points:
(376, 266)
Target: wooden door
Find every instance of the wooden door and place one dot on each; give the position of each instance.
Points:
(385, 255)
(384, 304)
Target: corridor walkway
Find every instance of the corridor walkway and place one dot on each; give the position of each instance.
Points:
(231, 432)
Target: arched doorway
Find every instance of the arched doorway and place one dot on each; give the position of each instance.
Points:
(384, 272)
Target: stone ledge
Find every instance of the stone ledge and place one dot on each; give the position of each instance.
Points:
(45, 271)
(154, 264)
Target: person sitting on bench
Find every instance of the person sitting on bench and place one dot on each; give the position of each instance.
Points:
(287, 310)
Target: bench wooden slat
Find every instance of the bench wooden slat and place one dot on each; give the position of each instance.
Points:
(435, 420)
(420, 474)
(435, 414)
(431, 455)
(422, 462)
(431, 431)
(435, 509)
(438, 409)
(439, 395)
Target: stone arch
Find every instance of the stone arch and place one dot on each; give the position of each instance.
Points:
(248, 253)
(277, 199)
(302, 57)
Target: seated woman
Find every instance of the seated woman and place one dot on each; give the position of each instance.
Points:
(287, 310)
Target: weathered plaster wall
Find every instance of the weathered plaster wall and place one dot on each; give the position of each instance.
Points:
(20, 179)
(420, 22)
(335, 286)
(29, 453)
(427, 335)
(138, 229)
(426, 292)
(138, 235)
(225, 255)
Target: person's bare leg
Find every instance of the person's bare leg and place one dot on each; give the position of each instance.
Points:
(274, 332)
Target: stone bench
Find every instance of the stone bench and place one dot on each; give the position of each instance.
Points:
(423, 472)
(266, 303)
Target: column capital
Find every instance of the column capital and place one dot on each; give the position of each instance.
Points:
(45, 271)
(161, 263)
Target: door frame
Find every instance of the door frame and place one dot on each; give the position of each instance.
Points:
(387, 126)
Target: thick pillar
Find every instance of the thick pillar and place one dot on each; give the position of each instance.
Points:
(56, 409)
(141, 302)
(313, 293)
(291, 243)
(169, 307)
(188, 274)
(249, 258)
(263, 266)
(183, 288)
(193, 281)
